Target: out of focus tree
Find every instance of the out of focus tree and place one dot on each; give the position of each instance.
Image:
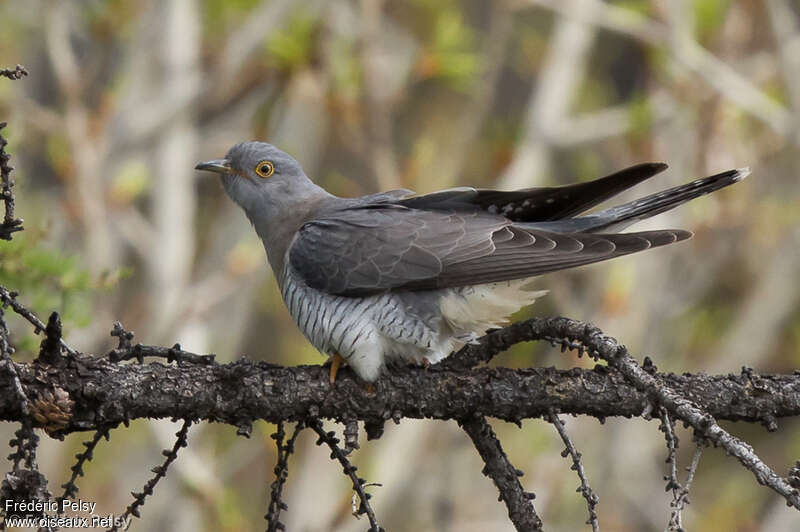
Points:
(125, 97)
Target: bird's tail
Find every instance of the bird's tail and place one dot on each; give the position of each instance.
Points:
(617, 218)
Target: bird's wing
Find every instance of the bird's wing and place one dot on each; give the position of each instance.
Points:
(363, 251)
(539, 204)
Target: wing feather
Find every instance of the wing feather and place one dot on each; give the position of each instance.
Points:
(362, 251)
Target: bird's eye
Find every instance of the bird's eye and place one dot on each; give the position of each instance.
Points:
(265, 168)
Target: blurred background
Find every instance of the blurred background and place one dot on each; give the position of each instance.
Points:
(123, 99)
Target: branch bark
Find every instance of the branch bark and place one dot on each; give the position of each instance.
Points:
(106, 392)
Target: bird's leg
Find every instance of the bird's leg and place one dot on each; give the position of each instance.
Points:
(336, 361)
(426, 363)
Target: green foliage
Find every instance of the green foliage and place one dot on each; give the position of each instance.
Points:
(642, 7)
(50, 281)
(292, 47)
(451, 57)
(222, 14)
(641, 116)
(130, 182)
(708, 324)
(346, 68)
(709, 15)
(450, 44)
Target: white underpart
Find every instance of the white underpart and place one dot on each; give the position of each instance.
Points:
(472, 310)
(370, 331)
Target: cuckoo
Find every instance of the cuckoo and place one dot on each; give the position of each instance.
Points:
(396, 277)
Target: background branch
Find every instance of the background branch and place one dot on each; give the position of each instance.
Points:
(503, 474)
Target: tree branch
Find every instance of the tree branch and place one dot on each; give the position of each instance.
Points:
(85, 392)
(105, 392)
(584, 489)
(505, 476)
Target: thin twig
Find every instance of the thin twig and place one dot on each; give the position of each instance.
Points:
(682, 499)
(6, 350)
(24, 481)
(668, 427)
(705, 425)
(25, 442)
(577, 466)
(14, 73)
(276, 505)
(10, 224)
(70, 487)
(599, 345)
(504, 475)
(126, 351)
(8, 298)
(160, 471)
(330, 439)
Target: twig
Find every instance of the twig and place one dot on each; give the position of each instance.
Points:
(276, 505)
(126, 351)
(330, 439)
(668, 428)
(160, 472)
(577, 466)
(505, 476)
(8, 298)
(14, 73)
(6, 363)
(704, 424)
(25, 442)
(70, 488)
(10, 224)
(24, 482)
(682, 498)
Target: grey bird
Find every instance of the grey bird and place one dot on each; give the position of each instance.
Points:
(399, 278)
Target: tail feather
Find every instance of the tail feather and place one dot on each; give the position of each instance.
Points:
(621, 216)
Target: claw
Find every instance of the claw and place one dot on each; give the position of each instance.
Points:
(336, 363)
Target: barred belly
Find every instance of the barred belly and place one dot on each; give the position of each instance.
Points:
(367, 331)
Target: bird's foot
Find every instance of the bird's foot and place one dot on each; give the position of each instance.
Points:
(426, 363)
(336, 361)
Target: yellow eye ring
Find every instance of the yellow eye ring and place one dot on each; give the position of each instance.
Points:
(265, 168)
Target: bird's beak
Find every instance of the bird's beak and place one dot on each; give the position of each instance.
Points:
(220, 166)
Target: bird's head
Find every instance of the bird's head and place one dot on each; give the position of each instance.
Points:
(256, 174)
